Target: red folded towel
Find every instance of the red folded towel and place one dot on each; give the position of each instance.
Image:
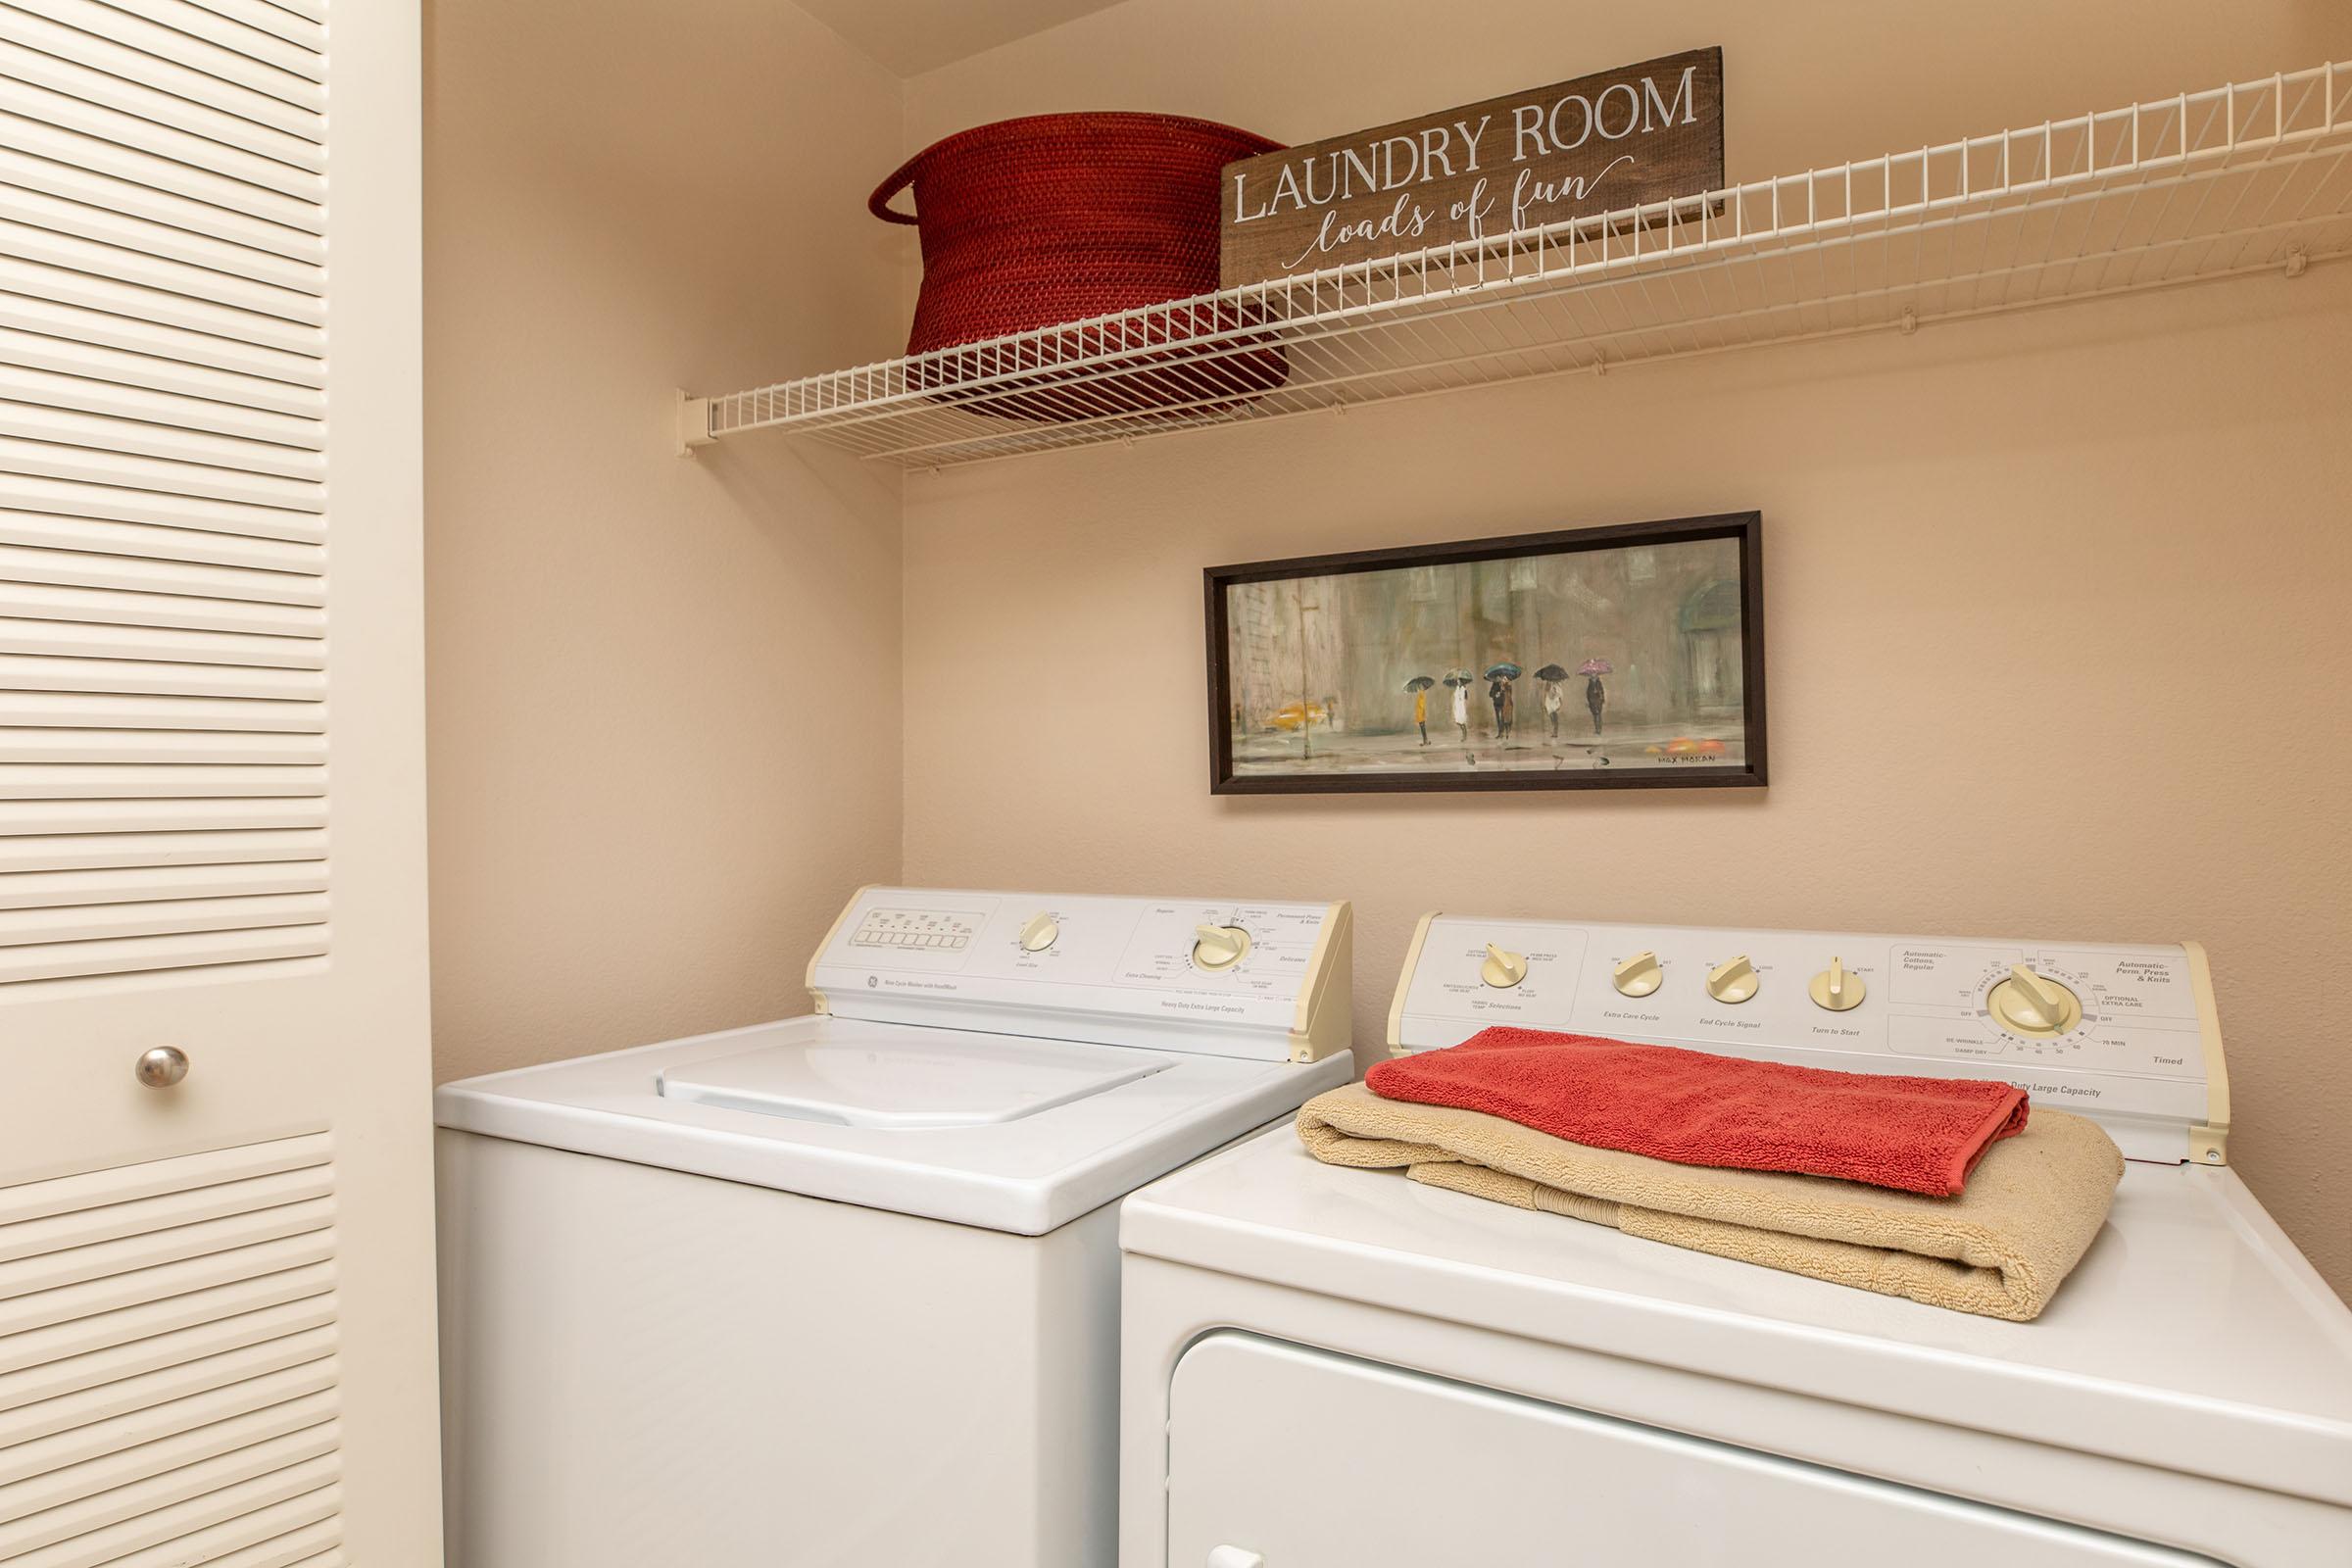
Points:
(1918, 1134)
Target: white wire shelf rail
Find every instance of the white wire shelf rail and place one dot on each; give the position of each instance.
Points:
(2245, 177)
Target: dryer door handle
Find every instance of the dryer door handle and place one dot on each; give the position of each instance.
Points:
(1235, 1557)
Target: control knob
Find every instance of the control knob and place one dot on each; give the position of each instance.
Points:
(1837, 988)
(1639, 976)
(1219, 947)
(1040, 933)
(1734, 980)
(2033, 1006)
(1503, 969)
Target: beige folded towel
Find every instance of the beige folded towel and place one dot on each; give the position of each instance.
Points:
(2000, 1249)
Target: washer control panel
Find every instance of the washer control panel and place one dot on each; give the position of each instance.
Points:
(1222, 976)
(912, 928)
(2127, 1034)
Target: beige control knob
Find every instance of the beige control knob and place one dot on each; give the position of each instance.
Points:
(1639, 976)
(1836, 987)
(1219, 947)
(2033, 1006)
(1039, 934)
(1734, 980)
(1503, 969)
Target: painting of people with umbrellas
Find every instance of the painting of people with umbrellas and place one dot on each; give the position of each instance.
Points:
(1637, 652)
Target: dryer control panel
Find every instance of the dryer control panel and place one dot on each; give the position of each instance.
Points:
(2127, 1035)
(1230, 977)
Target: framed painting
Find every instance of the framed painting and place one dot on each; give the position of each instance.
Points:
(1618, 658)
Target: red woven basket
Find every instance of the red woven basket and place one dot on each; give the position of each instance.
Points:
(1055, 218)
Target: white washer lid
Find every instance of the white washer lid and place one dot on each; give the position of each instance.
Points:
(883, 1077)
(1015, 1133)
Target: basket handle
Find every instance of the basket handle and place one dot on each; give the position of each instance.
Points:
(878, 203)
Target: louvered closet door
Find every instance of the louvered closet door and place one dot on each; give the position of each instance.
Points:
(215, 1298)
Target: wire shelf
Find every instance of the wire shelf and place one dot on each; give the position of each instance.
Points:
(2240, 179)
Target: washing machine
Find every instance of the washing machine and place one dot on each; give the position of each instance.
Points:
(1325, 1366)
(843, 1288)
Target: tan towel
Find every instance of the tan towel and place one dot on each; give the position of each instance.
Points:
(2000, 1249)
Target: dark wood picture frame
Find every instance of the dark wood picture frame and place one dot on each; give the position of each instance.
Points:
(1746, 528)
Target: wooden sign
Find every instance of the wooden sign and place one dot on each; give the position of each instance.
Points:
(1622, 138)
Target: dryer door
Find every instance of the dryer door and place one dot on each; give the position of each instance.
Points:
(1428, 1471)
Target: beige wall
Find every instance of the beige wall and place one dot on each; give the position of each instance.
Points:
(2055, 602)
(664, 744)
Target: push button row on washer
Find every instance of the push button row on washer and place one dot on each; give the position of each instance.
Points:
(909, 938)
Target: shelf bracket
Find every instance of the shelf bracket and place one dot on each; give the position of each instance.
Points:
(2298, 261)
(693, 423)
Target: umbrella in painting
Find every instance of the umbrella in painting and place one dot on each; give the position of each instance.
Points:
(1552, 672)
(1457, 677)
(1596, 667)
(1419, 683)
(1506, 670)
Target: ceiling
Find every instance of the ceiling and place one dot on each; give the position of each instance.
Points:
(913, 36)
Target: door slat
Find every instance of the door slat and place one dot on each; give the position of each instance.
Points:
(130, 848)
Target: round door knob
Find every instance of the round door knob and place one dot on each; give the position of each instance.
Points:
(162, 1067)
(1836, 987)
(1039, 934)
(1219, 947)
(2033, 1006)
(1639, 976)
(1734, 980)
(1503, 969)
